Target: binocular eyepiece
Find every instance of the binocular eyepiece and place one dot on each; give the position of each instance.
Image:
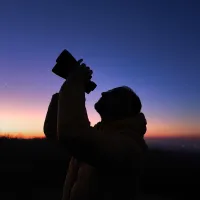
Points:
(65, 64)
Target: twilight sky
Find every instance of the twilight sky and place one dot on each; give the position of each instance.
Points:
(151, 46)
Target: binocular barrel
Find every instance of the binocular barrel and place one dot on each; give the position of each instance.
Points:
(65, 64)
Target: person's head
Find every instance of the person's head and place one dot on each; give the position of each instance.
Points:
(118, 103)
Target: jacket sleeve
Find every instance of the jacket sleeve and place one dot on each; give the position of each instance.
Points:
(50, 123)
(102, 149)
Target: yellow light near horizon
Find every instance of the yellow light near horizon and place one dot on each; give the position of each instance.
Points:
(28, 119)
(21, 119)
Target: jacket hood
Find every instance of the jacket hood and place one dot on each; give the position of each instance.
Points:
(135, 127)
(136, 124)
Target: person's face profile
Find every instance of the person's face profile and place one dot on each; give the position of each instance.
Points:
(109, 100)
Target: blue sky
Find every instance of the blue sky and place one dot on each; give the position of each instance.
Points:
(151, 46)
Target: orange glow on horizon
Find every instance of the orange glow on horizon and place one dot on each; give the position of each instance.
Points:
(22, 135)
(22, 119)
(148, 135)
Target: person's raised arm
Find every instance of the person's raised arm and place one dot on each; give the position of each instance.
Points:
(50, 123)
(71, 105)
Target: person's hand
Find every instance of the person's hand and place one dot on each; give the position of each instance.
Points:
(82, 73)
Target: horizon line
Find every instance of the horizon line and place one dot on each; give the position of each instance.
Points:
(42, 136)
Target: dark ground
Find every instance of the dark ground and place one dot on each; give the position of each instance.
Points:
(36, 169)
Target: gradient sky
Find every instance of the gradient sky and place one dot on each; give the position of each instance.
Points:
(151, 46)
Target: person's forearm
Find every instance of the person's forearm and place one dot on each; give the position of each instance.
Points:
(71, 107)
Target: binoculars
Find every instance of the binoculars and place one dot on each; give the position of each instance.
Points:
(65, 64)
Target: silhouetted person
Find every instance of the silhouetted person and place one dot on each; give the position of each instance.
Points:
(106, 159)
(50, 123)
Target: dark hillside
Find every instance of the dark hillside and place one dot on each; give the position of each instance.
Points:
(31, 165)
